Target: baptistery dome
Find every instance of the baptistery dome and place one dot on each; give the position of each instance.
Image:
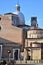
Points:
(20, 15)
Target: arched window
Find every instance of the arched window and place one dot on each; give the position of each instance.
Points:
(14, 22)
(0, 18)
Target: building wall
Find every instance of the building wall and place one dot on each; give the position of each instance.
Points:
(36, 54)
(10, 32)
(42, 53)
(29, 41)
(34, 41)
(9, 46)
(38, 33)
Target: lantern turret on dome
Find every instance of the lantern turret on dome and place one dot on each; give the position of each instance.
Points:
(17, 7)
(20, 15)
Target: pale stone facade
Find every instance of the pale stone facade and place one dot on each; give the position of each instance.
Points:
(36, 54)
(34, 42)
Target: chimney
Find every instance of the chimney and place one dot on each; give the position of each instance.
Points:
(34, 21)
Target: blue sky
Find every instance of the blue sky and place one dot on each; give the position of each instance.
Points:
(28, 7)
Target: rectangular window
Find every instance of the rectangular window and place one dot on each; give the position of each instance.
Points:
(16, 54)
(0, 52)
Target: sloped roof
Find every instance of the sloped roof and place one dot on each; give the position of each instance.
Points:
(2, 40)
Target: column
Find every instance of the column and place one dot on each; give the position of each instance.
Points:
(25, 55)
